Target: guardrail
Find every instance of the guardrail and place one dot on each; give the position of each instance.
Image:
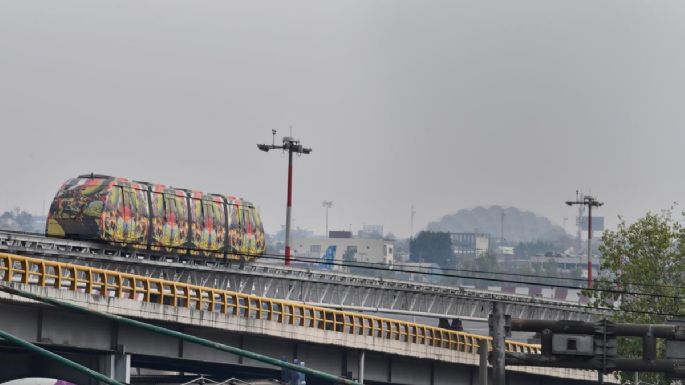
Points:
(44, 273)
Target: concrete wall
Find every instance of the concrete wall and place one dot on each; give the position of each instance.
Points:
(387, 361)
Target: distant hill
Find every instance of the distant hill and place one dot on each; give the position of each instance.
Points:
(519, 226)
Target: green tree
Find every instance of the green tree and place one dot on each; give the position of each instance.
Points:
(525, 249)
(436, 247)
(487, 262)
(536, 267)
(550, 268)
(646, 257)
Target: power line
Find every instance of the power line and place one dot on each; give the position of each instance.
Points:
(364, 266)
(367, 264)
(372, 266)
(548, 277)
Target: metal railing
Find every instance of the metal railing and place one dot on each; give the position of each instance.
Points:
(318, 287)
(59, 275)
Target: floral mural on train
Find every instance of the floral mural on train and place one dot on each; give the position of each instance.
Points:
(156, 217)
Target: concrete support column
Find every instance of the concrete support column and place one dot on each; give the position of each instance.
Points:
(116, 366)
(362, 357)
(483, 368)
(498, 344)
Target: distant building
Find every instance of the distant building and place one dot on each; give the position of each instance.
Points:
(567, 264)
(470, 244)
(338, 234)
(347, 249)
(419, 272)
(505, 250)
(371, 231)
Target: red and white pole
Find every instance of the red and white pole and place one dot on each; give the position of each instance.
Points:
(589, 202)
(589, 246)
(292, 145)
(289, 205)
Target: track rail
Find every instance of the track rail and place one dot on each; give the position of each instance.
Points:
(339, 290)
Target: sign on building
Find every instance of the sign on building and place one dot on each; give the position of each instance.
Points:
(327, 259)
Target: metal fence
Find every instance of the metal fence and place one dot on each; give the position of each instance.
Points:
(59, 275)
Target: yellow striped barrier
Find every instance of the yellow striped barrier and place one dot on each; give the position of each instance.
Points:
(60, 275)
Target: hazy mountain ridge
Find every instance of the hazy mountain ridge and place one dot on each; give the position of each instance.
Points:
(519, 225)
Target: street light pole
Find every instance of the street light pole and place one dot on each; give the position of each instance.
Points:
(292, 145)
(590, 202)
(327, 205)
(289, 205)
(501, 242)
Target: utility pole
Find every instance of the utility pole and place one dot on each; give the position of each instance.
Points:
(327, 205)
(411, 223)
(590, 202)
(497, 325)
(292, 145)
(501, 242)
(579, 219)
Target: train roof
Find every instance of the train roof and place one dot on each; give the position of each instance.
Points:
(120, 179)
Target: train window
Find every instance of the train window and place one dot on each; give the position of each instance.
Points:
(249, 245)
(157, 217)
(134, 219)
(245, 222)
(142, 216)
(175, 219)
(215, 223)
(260, 238)
(197, 223)
(114, 214)
(234, 231)
(141, 202)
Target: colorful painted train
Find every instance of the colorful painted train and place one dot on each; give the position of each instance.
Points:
(156, 217)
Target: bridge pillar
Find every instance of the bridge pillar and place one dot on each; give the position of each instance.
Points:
(483, 368)
(361, 366)
(116, 366)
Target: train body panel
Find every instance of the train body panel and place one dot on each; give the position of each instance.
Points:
(156, 217)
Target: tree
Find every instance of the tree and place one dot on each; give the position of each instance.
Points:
(526, 249)
(435, 247)
(487, 262)
(550, 268)
(17, 219)
(646, 257)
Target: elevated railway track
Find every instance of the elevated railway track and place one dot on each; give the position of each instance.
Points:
(314, 287)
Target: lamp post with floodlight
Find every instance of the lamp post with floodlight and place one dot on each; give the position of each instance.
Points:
(292, 145)
(327, 205)
(590, 202)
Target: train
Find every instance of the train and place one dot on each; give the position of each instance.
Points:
(156, 217)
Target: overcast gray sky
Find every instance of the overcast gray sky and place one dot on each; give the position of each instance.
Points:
(443, 104)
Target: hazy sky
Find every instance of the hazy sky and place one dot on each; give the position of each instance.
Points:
(440, 104)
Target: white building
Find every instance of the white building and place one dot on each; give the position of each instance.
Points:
(470, 244)
(567, 264)
(347, 249)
